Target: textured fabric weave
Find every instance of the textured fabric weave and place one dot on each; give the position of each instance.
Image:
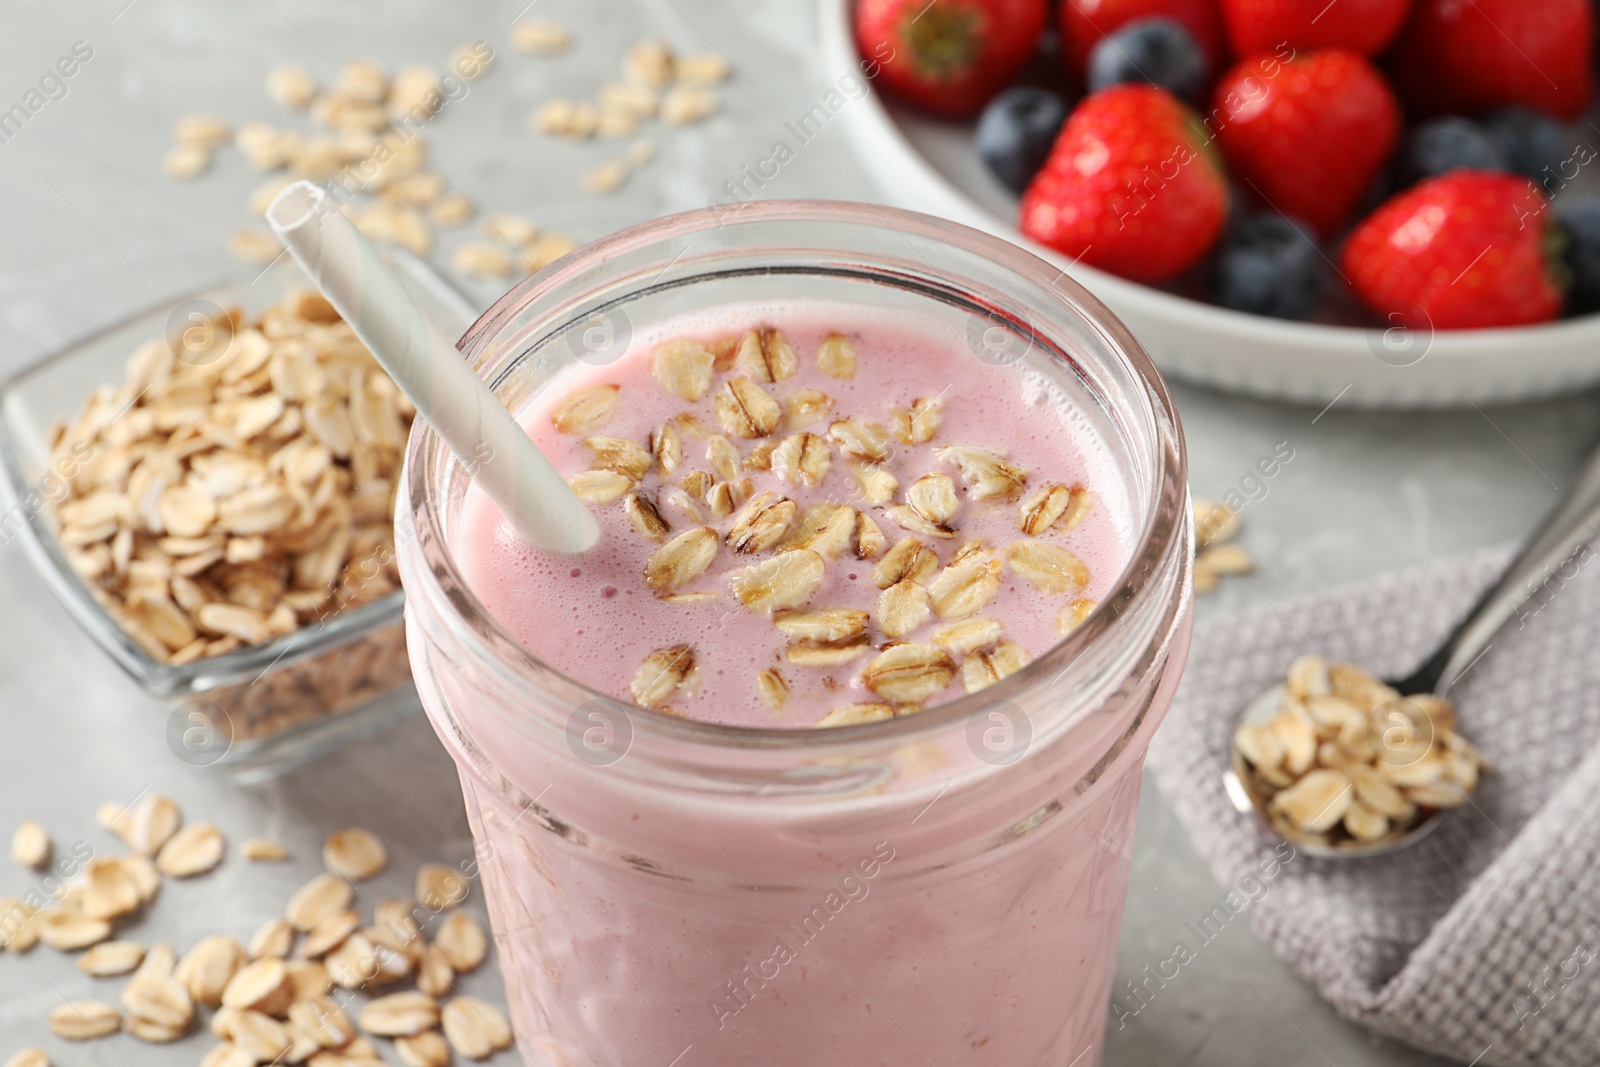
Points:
(1481, 942)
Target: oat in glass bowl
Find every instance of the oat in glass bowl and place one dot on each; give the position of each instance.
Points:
(208, 487)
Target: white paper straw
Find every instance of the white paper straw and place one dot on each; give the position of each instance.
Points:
(503, 460)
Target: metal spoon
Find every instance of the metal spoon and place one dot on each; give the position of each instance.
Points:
(1573, 521)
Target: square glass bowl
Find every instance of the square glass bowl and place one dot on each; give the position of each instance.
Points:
(261, 708)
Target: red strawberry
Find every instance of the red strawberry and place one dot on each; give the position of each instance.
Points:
(1468, 250)
(1085, 23)
(1365, 26)
(949, 56)
(1308, 135)
(1132, 186)
(1467, 55)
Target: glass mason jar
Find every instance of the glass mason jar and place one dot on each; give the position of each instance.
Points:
(941, 887)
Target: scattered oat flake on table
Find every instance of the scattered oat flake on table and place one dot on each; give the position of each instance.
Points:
(450, 210)
(540, 37)
(193, 850)
(704, 68)
(159, 961)
(366, 80)
(440, 887)
(415, 190)
(110, 889)
(1214, 522)
(650, 62)
(474, 1028)
(292, 86)
(264, 146)
(399, 1015)
(321, 1018)
(687, 104)
(329, 934)
(142, 871)
(207, 968)
(205, 130)
(355, 853)
(1214, 525)
(84, 1020)
(477, 259)
(608, 177)
(435, 976)
(513, 229)
(415, 94)
(316, 159)
(262, 1037)
(21, 931)
(151, 824)
(152, 1032)
(262, 850)
(160, 1002)
(574, 119)
(67, 929)
(113, 817)
(263, 985)
(471, 60)
(463, 940)
(1228, 560)
(30, 1057)
(395, 224)
(158, 1009)
(546, 249)
(227, 1054)
(427, 1049)
(110, 958)
(273, 940)
(323, 896)
(30, 844)
(640, 101)
(185, 161)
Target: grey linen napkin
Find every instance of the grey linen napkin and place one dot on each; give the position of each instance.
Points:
(1481, 942)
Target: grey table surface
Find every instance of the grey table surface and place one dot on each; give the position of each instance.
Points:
(92, 231)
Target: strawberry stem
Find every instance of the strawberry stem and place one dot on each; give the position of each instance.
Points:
(943, 39)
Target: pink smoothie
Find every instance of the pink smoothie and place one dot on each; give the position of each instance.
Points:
(594, 618)
(913, 903)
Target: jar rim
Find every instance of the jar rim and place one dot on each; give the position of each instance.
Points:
(1164, 531)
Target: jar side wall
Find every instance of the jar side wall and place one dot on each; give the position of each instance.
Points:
(765, 976)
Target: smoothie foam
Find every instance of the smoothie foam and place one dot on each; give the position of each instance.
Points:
(594, 618)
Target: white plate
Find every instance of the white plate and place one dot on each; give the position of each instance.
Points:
(925, 165)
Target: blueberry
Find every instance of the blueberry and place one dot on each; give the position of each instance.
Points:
(1015, 133)
(1269, 266)
(1441, 145)
(1153, 51)
(1579, 221)
(1533, 143)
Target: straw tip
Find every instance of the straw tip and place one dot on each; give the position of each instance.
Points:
(295, 205)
